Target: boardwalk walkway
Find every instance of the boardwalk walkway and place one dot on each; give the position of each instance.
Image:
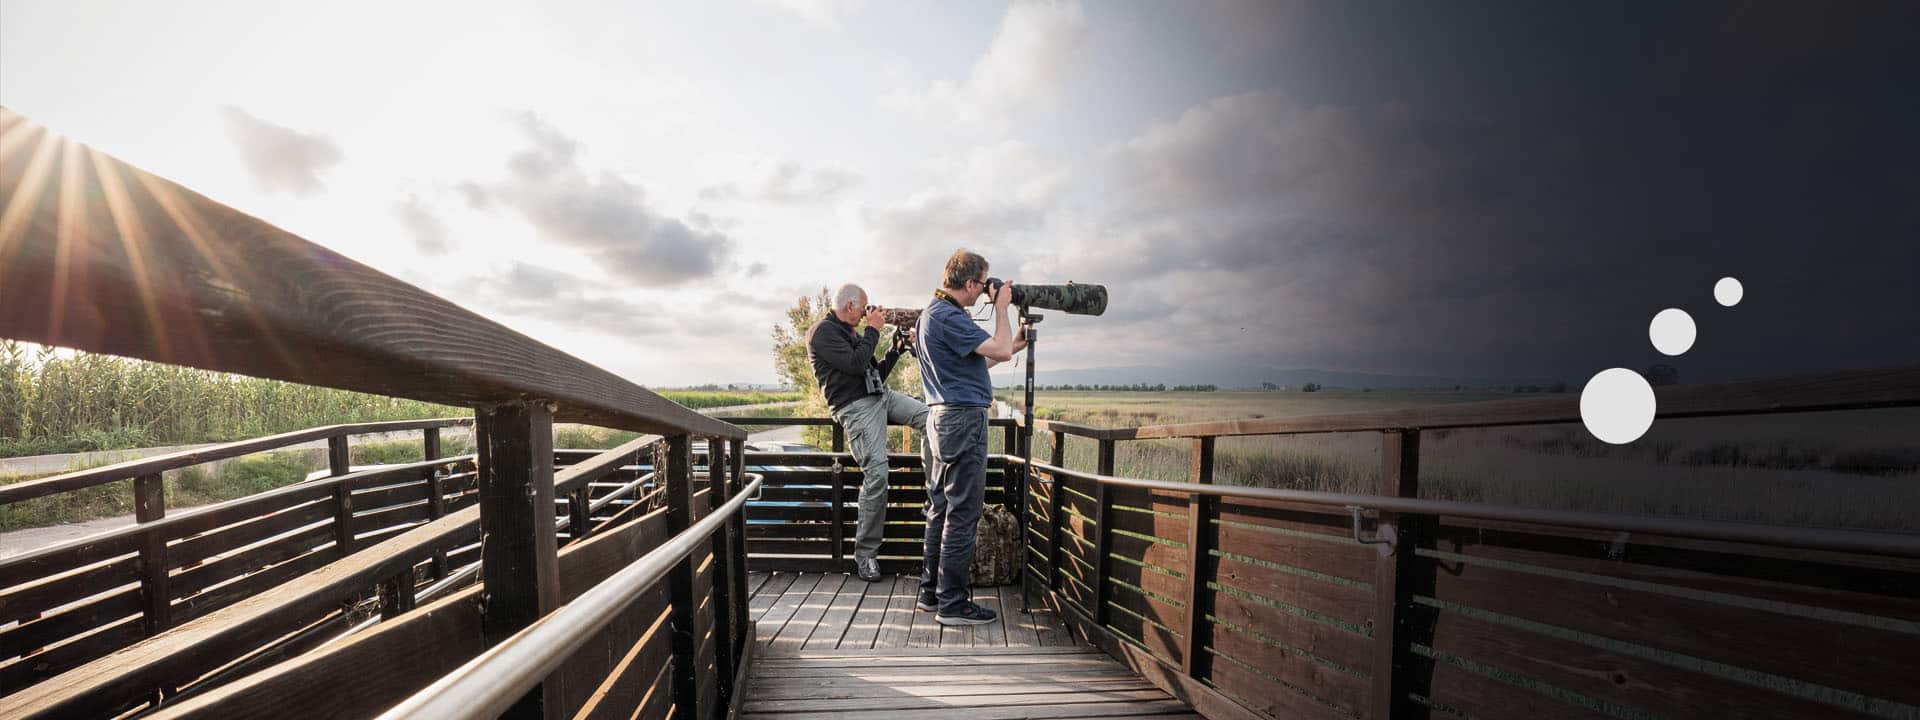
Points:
(831, 646)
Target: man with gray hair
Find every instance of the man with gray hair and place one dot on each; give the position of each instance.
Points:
(855, 385)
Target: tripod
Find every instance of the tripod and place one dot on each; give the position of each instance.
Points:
(1027, 320)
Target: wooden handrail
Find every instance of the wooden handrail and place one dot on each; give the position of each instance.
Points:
(98, 255)
(186, 458)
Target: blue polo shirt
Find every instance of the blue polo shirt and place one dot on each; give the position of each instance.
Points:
(950, 371)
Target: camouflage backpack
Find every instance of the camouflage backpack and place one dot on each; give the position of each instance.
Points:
(996, 553)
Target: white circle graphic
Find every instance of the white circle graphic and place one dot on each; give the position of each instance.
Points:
(1728, 292)
(1672, 331)
(1617, 406)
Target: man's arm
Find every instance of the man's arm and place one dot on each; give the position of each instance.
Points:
(851, 357)
(999, 348)
(1019, 344)
(893, 355)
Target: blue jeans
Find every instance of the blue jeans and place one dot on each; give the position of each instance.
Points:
(956, 495)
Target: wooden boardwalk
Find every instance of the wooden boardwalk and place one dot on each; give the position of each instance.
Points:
(832, 646)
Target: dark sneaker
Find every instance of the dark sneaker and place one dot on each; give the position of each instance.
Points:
(967, 614)
(928, 601)
(867, 568)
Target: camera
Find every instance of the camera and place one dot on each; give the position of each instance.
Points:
(1071, 298)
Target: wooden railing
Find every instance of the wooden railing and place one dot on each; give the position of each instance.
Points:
(808, 510)
(99, 256)
(1251, 603)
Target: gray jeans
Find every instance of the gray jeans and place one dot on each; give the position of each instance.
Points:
(865, 421)
(956, 495)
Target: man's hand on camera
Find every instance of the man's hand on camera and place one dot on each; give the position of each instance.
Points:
(875, 317)
(1002, 297)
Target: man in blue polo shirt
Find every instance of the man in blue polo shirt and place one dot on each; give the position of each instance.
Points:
(954, 356)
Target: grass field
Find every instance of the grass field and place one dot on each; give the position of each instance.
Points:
(1845, 469)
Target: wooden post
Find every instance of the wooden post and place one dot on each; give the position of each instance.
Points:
(579, 513)
(1202, 536)
(738, 460)
(839, 438)
(518, 551)
(339, 462)
(906, 439)
(150, 504)
(1010, 438)
(724, 565)
(1054, 557)
(672, 462)
(436, 509)
(1397, 670)
(396, 595)
(1102, 525)
(837, 531)
(431, 444)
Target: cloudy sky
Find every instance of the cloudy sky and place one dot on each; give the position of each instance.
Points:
(1413, 188)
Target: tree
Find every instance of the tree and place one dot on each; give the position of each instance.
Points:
(790, 362)
(1310, 387)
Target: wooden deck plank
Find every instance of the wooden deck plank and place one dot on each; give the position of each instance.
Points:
(806, 617)
(899, 614)
(838, 618)
(952, 683)
(774, 619)
(768, 593)
(864, 627)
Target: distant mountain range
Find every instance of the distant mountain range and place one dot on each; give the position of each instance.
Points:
(1252, 376)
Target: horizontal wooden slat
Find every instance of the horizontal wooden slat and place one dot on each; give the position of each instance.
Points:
(1337, 557)
(382, 665)
(1341, 647)
(1348, 603)
(30, 671)
(200, 547)
(1267, 697)
(41, 595)
(1165, 527)
(1157, 640)
(1345, 689)
(186, 583)
(234, 592)
(1792, 646)
(1618, 679)
(71, 621)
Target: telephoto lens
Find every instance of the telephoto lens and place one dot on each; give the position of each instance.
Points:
(1071, 298)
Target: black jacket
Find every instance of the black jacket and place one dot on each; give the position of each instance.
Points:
(841, 360)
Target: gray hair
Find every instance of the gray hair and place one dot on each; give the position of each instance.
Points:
(848, 294)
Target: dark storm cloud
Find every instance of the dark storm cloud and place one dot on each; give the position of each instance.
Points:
(281, 159)
(602, 214)
(1469, 191)
(787, 183)
(429, 232)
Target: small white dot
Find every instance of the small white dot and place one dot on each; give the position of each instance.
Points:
(1672, 331)
(1617, 406)
(1728, 292)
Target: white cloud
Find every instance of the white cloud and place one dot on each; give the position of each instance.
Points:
(1033, 52)
(823, 14)
(282, 159)
(787, 182)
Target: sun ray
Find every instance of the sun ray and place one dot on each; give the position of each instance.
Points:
(23, 193)
(132, 234)
(193, 228)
